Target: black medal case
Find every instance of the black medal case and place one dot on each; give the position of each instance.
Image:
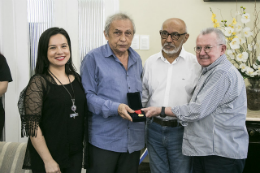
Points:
(134, 102)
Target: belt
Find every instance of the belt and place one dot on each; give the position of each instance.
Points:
(169, 123)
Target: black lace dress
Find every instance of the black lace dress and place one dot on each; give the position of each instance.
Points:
(48, 105)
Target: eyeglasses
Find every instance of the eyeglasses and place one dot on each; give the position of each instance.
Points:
(174, 35)
(206, 49)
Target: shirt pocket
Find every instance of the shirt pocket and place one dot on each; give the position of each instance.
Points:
(187, 83)
(136, 137)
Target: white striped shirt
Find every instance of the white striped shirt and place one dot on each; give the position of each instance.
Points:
(215, 117)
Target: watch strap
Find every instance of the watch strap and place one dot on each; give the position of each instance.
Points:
(163, 112)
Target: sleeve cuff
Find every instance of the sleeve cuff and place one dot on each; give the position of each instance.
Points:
(176, 112)
(114, 108)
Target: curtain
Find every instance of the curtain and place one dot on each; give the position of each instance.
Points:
(92, 16)
(40, 18)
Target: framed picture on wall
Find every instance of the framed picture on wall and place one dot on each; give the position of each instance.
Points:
(230, 0)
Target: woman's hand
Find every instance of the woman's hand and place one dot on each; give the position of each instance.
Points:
(52, 167)
(39, 143)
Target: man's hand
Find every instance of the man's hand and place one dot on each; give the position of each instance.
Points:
(152, 111)
(122, 111)
(52, 167)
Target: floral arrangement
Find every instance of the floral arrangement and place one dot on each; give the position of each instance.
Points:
(241, 42)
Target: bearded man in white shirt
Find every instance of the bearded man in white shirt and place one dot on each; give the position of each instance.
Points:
(169, 79)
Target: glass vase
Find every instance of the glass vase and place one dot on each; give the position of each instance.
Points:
(253, 94)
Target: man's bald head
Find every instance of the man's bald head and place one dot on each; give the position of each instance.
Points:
(173, 36)
(177, 22)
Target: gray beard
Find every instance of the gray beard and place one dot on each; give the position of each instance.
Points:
(175, 50)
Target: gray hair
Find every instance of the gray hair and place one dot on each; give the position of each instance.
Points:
(117, 16)
(220, 36)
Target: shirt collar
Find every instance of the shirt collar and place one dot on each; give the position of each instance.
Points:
(214, 64)
(182, 55)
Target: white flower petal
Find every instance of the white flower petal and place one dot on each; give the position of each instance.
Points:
(243, 67)
(228, 31)
(247, 32)
(255, 66)
(234, 44)
(245, 18)
(249, 47)
(238, 27)
(250, 71)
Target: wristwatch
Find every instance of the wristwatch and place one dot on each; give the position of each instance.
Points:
(163, 115)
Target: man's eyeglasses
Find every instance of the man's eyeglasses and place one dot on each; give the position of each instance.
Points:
(174, 35)
(207, 49)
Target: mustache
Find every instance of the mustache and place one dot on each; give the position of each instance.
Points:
(203, 57)
(168, 44)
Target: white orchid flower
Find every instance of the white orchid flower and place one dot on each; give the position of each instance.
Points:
(228, 31)
(247, 32)
(250, 72)
(255, 66)
(238, 27)
(241, 39)
(254, 74)
(245, 18)
(234, 44)
(230, 53)
(243, 67)
(242, 57)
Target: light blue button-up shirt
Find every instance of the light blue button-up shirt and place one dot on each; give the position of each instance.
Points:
(106, 83)
(215, 117)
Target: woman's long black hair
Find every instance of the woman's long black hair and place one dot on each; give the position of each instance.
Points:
(42, 64)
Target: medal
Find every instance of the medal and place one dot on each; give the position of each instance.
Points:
(139, 112)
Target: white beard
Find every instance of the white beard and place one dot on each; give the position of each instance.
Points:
(175, 50)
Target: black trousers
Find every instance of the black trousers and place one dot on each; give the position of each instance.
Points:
(217, 164)
(104, 161)
(76, 165)
(2, 120)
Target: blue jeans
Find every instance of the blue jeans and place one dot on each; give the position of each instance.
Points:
(164, 146)
(216, 164)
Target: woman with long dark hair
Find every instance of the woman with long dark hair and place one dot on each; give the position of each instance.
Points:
(53, 109)
(5, 77)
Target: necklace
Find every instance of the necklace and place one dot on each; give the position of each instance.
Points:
(73, 107)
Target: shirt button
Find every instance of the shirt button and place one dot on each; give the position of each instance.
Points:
(128, 87)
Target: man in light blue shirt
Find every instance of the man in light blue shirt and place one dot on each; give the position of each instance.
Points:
(108, 74)
(215, 133)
